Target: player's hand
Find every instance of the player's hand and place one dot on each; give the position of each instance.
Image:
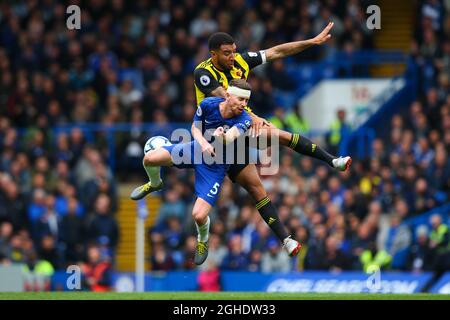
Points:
(257, 124)
(324, 35)
(219, 132)
(208, 148)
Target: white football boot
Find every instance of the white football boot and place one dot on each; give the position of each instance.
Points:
(342, 163)
(292, 246)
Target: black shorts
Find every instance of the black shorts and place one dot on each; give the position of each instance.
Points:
(236, 168)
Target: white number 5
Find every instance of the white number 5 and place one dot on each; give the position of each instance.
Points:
(214, 189)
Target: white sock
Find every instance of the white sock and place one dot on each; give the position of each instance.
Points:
(203, 231)
(154, 174)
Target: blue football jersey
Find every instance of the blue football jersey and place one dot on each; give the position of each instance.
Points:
(208, 113)
(208, 177)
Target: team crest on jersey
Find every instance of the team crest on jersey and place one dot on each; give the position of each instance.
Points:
(199, 111)
(205, 80)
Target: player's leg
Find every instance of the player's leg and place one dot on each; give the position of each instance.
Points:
(249, 179)
(202, 222)
(305, 146)
(208, 180)
(152, 163)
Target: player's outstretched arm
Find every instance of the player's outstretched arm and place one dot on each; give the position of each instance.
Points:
(291, 48)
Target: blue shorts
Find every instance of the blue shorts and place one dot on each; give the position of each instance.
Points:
(208, 177)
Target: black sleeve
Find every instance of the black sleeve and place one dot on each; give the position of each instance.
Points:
(205, 81)
(254, 59)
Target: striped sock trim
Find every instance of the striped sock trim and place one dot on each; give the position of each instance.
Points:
(294, 140)
(261, 203)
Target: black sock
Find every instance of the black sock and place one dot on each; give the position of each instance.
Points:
(305, 146)
(269, 214)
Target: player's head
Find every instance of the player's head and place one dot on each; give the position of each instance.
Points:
(238, 94)
(222, 49)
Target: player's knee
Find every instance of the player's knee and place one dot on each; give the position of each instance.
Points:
(199, 215)
(149, 158)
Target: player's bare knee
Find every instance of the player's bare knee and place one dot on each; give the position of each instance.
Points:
(199, 215)
(149, 158)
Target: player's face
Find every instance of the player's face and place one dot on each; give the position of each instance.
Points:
(237, 104)
(225, 56)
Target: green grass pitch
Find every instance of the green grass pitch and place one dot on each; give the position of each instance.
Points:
(213, 296)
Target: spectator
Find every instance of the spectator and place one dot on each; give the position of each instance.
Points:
(49, 222)
(397, 242)
(209, 279)
(278, 118)
(216, 252)
(96, 271)
(236, 259)
(12, 204)
(48, 251)
(316, 248)
(339, 130)
(161, 259)
(255, 261)
(336, 257)
(204, 25)
(172, 206)
(279, 77)
(275, 259)
(295, 122)
(419, 254)
(6, 232)
(103, 228)
(72, 233)
(37, 272)
(373, 259)
(439, 244)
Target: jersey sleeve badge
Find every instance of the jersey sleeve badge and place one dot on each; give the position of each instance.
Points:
(205, 80)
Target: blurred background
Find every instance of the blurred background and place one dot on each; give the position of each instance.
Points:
(76, 107)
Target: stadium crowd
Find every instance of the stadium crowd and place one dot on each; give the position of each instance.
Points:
(133, 62)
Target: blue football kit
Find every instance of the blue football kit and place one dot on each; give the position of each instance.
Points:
(209, 175)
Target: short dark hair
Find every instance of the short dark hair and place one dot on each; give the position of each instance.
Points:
(240, 83)
(219, 38)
